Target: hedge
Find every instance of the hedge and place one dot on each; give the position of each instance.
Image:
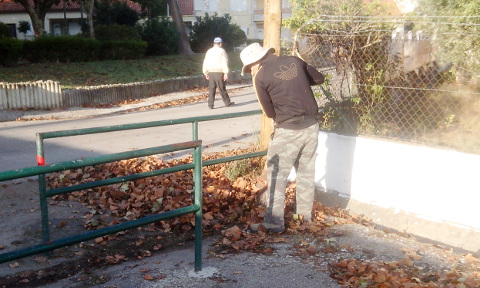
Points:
(10, 51)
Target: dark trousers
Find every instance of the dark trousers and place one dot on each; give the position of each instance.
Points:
(216, 80)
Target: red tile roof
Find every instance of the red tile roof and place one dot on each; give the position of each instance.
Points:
(9, 6)
(186, 7)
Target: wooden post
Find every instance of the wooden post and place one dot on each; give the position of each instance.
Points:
(272, 26)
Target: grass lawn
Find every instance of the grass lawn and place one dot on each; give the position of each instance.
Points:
(111, 72)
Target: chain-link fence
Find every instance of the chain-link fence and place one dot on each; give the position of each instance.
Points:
(392, 78)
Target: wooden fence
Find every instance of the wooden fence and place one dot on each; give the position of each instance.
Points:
(48, 94)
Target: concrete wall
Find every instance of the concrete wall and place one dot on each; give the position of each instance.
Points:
(430, 193)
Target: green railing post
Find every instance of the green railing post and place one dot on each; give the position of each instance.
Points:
(195, 130)
(40, 150)
(197, 183)
(42, 189)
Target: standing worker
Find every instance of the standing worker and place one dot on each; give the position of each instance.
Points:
(282, 85)
(215, 69)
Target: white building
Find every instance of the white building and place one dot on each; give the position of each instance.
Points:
(247, 14)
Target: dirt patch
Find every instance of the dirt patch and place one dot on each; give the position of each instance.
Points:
(20, 227)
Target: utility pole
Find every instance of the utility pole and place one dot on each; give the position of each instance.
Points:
(272, 26)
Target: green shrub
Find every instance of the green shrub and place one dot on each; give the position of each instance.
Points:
(78, 49)
(244, 167)
(207, 28)
(10, 51)
(161, 36)
(61, 49)
(114, 12)
(122, 50)
(24, 27)
(5, 31)
(116, 33)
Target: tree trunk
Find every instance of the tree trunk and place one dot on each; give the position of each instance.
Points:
(37, 22)
(37, 11)
(272, 28)
(89, 5)
(183, 44)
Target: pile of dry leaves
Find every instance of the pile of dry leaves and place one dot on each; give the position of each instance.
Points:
(228, 210)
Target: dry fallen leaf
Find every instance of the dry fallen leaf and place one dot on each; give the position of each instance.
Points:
(406, 261)
(233, 233)
(62, 224)
(148, 277)
(99, 240)
(41, 259)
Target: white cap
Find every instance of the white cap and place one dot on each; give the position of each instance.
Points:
(253, 53)
(218, 40)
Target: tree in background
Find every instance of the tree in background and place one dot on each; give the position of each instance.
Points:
(183, 44)
(24, 27)
(115, 12)
(456, 35)
(89, 6)
(161, 36)
(305, 10)
(209, 27)
(348, 35)
(152, 8)
(37, 10)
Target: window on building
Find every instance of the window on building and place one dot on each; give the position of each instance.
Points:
(206, 5)
(13, 30)
(237, 6)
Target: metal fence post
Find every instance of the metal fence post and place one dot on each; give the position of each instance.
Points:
(195, 130)
(197, 183)
(42, 188)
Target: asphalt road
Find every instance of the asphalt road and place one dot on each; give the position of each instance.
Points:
(17, 138)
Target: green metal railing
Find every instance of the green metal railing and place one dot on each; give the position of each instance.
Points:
(41, 170)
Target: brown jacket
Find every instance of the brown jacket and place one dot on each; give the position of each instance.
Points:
(283, 89)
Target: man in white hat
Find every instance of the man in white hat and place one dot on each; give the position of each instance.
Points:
(282, 85)
(215, 69)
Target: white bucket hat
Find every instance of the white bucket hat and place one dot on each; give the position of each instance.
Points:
(253, 53)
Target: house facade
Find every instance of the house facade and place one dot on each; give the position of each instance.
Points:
(67, 16)
(247, 14)
(62, 18)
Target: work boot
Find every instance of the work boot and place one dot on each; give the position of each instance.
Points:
(264, 227)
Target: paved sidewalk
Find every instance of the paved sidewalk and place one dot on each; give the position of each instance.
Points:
(18, 138)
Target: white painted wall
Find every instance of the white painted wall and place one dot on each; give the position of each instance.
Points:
(438, 185)
(73, 29)
(427, 192)
(15, 18)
